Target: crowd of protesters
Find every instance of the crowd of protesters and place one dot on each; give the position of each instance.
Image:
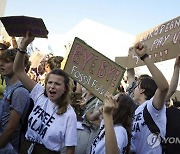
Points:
(67, 118)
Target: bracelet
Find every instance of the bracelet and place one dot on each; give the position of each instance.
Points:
(144, 56)
(22, 50)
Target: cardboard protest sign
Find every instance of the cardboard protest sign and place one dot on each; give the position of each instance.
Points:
(93, 70)
(18, 26)
(163, 43)
(123, 61)
(36, 58)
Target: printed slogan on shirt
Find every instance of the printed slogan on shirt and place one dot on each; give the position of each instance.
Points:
(41, 123)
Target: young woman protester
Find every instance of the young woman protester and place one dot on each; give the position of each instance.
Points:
(115, 128)
(52, 123)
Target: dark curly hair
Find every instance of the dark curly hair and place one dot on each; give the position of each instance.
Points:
(10, 54)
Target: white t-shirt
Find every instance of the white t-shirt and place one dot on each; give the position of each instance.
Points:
(58, 130)
(143, 141)
(98, 145)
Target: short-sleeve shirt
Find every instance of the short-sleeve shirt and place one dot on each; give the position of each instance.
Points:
(19, 101)
(48, 128)
(142, 141)
(98, 145)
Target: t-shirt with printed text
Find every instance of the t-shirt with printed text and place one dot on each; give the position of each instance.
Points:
(46, 127)
(143, 140)
(98, 145)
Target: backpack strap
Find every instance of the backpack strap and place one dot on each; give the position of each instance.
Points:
(152, 126)
(21, 120)
(10, 98)
(150, 122)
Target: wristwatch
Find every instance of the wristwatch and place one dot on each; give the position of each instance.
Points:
(144, 56)
(21, 50)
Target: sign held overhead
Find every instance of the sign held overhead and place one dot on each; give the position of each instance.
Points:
(93, 70)
(163, 43)
(18, 26)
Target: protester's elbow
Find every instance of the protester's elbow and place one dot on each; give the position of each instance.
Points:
(165, 89)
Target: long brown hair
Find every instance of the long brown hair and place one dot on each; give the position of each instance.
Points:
(65, 98)
(124, 115)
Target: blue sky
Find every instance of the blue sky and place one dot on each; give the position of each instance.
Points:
(129, 16)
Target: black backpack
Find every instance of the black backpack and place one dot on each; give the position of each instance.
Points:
(171, 144)
(24, 122)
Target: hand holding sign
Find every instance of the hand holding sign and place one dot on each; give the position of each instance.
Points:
(140, 49)
(109, 104)
(26, 41)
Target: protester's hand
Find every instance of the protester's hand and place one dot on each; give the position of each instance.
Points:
(140, 49)
(81, 103)
(177, 62)
(101, 109)
(131, 48)
(109, 104)
(13, 38)
(26, 41)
